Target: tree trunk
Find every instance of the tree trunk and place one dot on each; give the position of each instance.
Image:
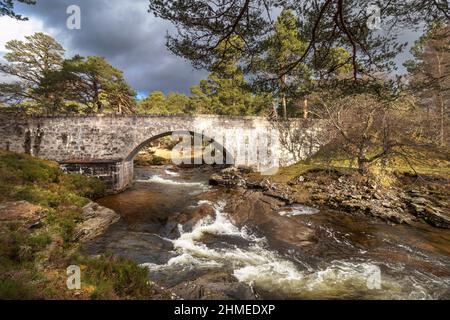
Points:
(363, 166)
(442, 115)
(283, 96)
(275, 111)
(305, 109)
(439, 60)
(97, 103)
(284, 104)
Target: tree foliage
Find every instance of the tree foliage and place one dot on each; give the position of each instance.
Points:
(430, 77)
(97, 84)
(30, 61)
(224, 92)
(7, 8)
(204, 25)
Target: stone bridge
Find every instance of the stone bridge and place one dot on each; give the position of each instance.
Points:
(105, 145)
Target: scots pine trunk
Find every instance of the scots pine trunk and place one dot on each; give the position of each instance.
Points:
(305, 109)
(283, 96)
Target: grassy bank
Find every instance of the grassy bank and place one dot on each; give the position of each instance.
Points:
(39, 210)
(422, 164)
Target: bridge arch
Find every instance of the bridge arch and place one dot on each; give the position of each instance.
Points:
(228, 158)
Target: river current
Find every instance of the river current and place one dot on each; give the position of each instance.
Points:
(178, 226)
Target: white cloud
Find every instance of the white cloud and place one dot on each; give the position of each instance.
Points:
(14, 29)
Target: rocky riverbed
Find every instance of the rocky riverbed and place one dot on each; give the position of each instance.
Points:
(207, 234)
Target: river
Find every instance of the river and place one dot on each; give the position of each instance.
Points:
(178, 226)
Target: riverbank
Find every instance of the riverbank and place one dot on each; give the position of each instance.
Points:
(44, 217)
(397, 197)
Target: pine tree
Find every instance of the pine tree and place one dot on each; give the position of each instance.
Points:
(225, 91)
(31, 61)
(430, 74)
(94, 82)
(283, 48)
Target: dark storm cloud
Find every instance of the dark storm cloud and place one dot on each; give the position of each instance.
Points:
(126, 34)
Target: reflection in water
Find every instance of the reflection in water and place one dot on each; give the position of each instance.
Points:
(178, 228)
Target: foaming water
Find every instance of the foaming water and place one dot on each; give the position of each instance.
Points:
(158, 179)
(267, 270)
(171, 173)
(297, 210)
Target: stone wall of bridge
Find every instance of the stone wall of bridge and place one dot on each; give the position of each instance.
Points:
(100, 142)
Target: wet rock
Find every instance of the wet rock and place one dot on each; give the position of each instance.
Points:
(261, 211)
(342, 192)
(280, 194)
(432, 215)
(428, 209)
(363, 198)
(141, 247)
(436, 217)
(258, 185)
(235, 178)
(274, 203)
(187, 219)
(214, 286)
(96, 219)
(229, 177)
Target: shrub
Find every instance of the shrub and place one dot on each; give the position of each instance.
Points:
(116, 276)
(89, 187)
(28, 169)
(14, 289)
(158, 161)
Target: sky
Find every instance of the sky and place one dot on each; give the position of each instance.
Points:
(123, 32)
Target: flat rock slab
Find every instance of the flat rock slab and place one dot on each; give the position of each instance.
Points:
(96, 219)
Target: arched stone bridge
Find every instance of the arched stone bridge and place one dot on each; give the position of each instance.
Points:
(105, 145)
